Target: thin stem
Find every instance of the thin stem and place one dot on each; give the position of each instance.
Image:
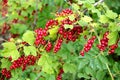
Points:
(109, 71)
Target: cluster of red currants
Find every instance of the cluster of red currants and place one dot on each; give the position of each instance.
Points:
(58, 45)
(23, 62)
(51, 23)
(70, 34)
(65, 12)
(88, 45)
(40, 33)
(6, 73)
(59, 76)
(112, 48)
(48, 47)
(103, 42)
(64, 34)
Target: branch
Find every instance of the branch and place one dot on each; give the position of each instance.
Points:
(100, 1)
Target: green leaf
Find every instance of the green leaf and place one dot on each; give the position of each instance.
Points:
(53, 33)
(83, 63)
(82, 23)
(113, 27)
(29, 37)
(75, 6)
(46, 63)
(88, 5)
(72, 17)
(82, 75)
(89, 71)
(66, 26)
(103, 19)
(87, 19)
(16, 73)
(111, 14)
(98, 63)
(30, 50)
(118, 27)
(71, 68)
(103, 59)
(18, 28)
(5, 63)
(100, 75)
(33, 76)
(115, 67)
(113, 36)
(10, 50)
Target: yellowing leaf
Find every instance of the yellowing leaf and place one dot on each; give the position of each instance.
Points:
(66, 26)
(29, 37)
(113, 36)
(103, 19)
(72, 17)
(5, 63)
(10, 50)
(30, 50)
(87, 19)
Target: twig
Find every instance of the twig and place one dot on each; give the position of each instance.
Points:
(100, 1)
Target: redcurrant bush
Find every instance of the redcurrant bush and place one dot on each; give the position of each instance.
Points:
(59, 40)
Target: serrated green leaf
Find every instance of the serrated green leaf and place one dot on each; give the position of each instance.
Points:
(16, 73)
(103, 19)
(29, 37)
(111, 14)
(30, 50)
(10, 50)
(113, 36)
(66, 26)
(46, 63)
(5, 63)
(71, 68)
